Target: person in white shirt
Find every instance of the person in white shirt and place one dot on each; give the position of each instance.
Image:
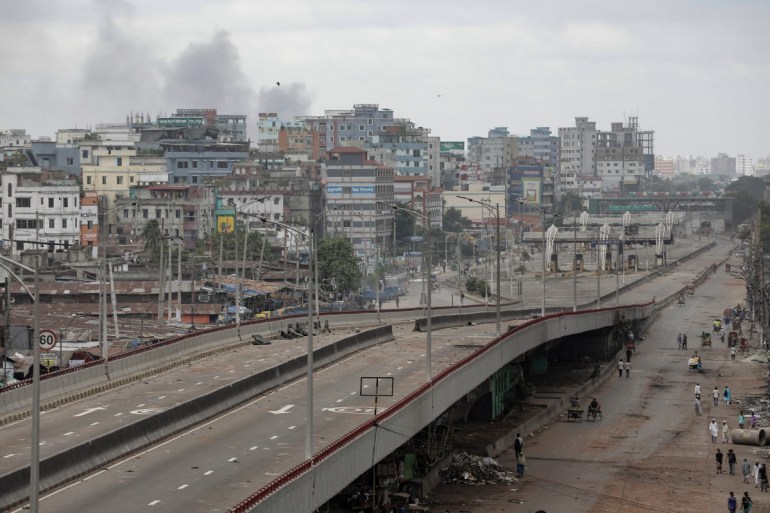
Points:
(715, 394)
(714, 430)
(697, 390)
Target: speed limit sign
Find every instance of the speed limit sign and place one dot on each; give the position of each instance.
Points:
(47, 339)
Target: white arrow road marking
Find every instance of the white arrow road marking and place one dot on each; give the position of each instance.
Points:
(88, 410)
(285, 409)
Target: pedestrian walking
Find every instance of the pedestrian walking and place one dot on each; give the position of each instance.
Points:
(628, 368)
(714, 430)
(621, 366)
(732, 460)
(746, 469)
(746, 503)
(732, 503)
(698, 407)
(518, 444)
(697, 390)
(684, 341)
(521, 464)
(628, 355)
(722, 335)
(719, 458)
(763, 478)
(728, 395)
(753, 421)
(396, 301)
(733, 353)
(679, 341)
(741, 420)
(715, 395)
(725, 431)
(755, 473)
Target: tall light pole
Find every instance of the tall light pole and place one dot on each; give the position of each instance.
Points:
(424, 221)
(496, 211)
(312, 251)
(239, 281)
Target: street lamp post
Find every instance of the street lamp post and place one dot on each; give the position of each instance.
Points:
(425, 222)
(496, 211)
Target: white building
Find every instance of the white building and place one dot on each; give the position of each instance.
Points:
(39, 211)
(577, 154)
(498, 150)
(15, 138)
(743, 165)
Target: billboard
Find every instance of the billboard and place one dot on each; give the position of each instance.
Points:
(225, 223)
(452, 146)
(89, 213)
(530, 190)
(181, 122)
(355, 190)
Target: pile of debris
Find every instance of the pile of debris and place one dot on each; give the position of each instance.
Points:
(476, 470)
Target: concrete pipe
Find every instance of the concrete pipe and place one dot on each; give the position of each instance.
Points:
(756, 437)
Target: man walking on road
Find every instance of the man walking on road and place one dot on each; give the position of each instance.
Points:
(627, 365)
(725, 431)
(714, 430)
(621, 366)
(518, 444)
(697, 390)
(719, 458)
(746, 503)
(731, 461)
(732, 503)
(698, 407)
(755, 473)
(715, 395)
(746, 469)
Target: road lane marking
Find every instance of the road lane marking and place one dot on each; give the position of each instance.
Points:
(292, 427)
(283, 410)
(352, 393)
(208, 472)
(9, 455)
(88, 410)
(180, 390)
(140, 405)
(399, 368)
(70, 433)
(94, 423)
(232, 459)
(118, 414)
(182, 487)
(339, 400)
(199, 383)
(161, 397)
(231, 370)
(273, 437)
(153, 503)
(254, 448)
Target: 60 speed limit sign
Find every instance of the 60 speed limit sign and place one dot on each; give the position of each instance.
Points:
(47, 339)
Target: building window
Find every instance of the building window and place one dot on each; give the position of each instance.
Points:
(10, 190)
(361, 128)
(104, 180)
(51, 224)
(342, 128)
(19, 245)
(88, 180)
(370, 121)
(178, 213)
(119, 161)
(195, 164)
(181, 165)
(23, 202)
(145, 213)
(119, 180)
(222, 164)
(10, 211)
(64, 223)
(157, 213)
(276, 201)
(195, 179)
(84, 154)
(90, 225)
(65, 202)
(131, 179)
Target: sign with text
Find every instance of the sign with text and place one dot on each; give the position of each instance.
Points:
(530, 190)
(48, 340)
(180, 122)
(452, 146)
(89, 213)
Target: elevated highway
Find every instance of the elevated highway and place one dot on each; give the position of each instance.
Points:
(278, 417)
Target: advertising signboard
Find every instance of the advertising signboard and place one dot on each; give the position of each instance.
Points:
(452, 146)
(180, 122)
(89, 213)
(225, 223)
(530, 190)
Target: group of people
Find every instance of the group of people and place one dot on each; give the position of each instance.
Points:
(681, 340)
(624, 366)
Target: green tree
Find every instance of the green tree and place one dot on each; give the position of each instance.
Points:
(454, 221)
(152, 240)
(706, 184)
(747, 192)
(337, 262)
(253, 244)
(405, 225)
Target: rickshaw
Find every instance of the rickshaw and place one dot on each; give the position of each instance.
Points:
(695, 364)
(732, 339)
(691, 289)
(705, 339)
(681, 301)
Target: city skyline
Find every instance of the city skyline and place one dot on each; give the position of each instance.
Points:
(689, 70)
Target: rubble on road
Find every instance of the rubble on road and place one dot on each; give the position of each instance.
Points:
(476, 470)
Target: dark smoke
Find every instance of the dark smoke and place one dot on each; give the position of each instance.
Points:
(286, 100)
(209, 74)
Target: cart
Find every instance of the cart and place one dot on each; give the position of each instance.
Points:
(574, 414)
(705, 339)
(681, 301)
(732, 339)
(695, 365)
(691, 289)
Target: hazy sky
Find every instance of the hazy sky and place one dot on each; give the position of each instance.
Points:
(695, 71)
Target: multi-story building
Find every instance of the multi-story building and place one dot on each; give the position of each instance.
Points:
(417, 193)
(192, 162)
(180, 210)
(723, 165)
(408, 146)
(269, 132)
(111, 168)
(15, 138)
(39, 210)
(541, 145)
(743, 165)
(620, 159)
(493, 195)
(664, 167)
(63, 157)
(577, 148)
(358, 191)
(495, 151)
(231, 128)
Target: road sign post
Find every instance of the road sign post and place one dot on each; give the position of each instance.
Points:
(48, 339)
